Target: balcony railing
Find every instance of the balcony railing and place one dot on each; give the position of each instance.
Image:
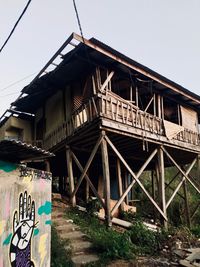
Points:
(113, 107)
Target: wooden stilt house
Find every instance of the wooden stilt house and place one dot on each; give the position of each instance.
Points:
(108, 119)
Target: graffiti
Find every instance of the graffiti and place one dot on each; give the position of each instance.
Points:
(34, 174)
(45, 209)
(36, 231)
(7, 240)
(23, 226)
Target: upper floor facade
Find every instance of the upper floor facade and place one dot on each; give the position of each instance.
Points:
(95, 84)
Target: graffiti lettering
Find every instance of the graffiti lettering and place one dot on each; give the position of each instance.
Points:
(34, 174)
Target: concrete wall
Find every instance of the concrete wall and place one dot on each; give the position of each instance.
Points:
(13, 126)
(25, 216)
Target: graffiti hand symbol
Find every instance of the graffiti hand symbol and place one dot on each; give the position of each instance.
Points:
(23, 225)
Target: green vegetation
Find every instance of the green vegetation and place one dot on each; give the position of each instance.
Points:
(60, 257)
(108, 243)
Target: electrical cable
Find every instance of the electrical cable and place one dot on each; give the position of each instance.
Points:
(10, 94)
(13, 29)
(78, 19)
(14, 83)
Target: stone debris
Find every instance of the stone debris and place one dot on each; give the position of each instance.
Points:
(189, 257)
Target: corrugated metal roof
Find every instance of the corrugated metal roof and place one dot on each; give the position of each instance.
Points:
(17, 151)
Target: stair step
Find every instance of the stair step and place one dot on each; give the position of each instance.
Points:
(57, 215)
(81, 246)
(81, 260)
(66, 228)
(72, 235)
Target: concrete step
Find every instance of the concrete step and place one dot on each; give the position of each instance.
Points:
(55, 215)
(66, 228)
(61, 221)
(80, 246)
(82, 260)
(72, 235)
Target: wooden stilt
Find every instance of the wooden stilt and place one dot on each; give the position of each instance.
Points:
(187, 209)
(87, 191)
(126, 185)
(153, 193)
(70, 175)
(47, 166)
(161, 168)
(120, 187)
(106, 175)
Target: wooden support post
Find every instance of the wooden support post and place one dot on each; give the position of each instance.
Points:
(126, 185)
(187, 209)
(159, 107)
(47, 166)
(70, 175)
(161, 169)
(120, 186)
(153, 193)
(106, 175)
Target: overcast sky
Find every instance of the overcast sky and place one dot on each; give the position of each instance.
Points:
(161, 34)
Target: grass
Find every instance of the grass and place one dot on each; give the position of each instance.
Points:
(60, 257)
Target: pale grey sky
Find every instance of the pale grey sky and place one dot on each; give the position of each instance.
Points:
(162, 34)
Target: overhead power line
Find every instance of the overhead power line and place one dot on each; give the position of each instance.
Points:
(13, 29)
(14, 83)
(78, 19)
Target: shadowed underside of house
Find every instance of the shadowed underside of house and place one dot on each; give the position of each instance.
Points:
(109, 119)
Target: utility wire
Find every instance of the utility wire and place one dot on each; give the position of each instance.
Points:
(13, 29)
(78, 19)
(9, 94)
(14, 83)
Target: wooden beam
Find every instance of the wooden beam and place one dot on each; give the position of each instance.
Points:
(120, 186)
(107, 81)
(88, 180)
(71, 176)
(133, 182)
(180, 184)
(178, 167)
(161, 169)
(106, 175)
(135, 177)
(87, 165)
(187, 209)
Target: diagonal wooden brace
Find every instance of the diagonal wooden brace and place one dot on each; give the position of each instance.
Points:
(133, 182)
(107, 81)
(88, 179)
(179, 168)
(87, 165)
(180, 184)
(135, 177)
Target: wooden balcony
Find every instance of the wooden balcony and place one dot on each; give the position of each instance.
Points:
(116, 110)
